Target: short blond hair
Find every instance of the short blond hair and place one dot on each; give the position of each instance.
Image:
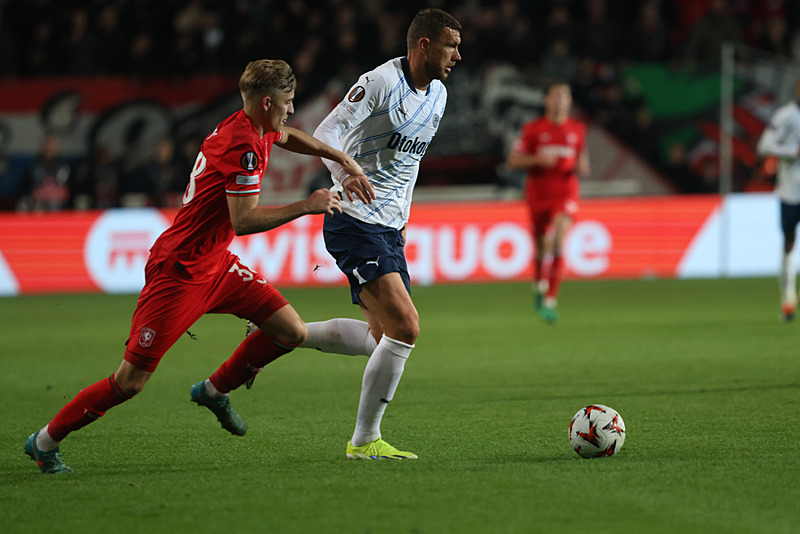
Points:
(266, 77)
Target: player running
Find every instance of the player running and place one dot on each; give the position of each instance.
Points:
(781, 139)
(190, 271)
(552, 149)
(386, 122)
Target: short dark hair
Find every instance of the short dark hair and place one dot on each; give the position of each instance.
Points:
(266, 77)
(552, 82)
(430, 23)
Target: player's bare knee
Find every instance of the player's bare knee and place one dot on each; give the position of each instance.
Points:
(293, 336)
(406, 331)
(130, 386)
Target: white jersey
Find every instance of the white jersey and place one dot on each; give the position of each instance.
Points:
(386, 125)
(781, 138)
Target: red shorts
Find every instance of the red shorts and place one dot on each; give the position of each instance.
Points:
(543, 213)
(548, 197)
(544, 204)
(168, 307)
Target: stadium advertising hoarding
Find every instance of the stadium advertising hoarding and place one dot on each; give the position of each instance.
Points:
(684, 237)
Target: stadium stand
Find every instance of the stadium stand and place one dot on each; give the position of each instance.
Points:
(592, 43)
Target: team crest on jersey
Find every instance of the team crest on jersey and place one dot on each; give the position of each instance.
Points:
(436, 118)
(249, 161)
(572, 138)
(146, 336)
(356, 94)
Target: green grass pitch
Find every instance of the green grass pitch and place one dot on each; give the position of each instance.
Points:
(704, 374)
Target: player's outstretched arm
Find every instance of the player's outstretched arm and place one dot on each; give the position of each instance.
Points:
(357, 184)
(247, 217)
(298, 141)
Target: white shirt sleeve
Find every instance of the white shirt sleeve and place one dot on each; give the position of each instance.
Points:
(364, 96)
(409, 194)
(330, 131)
(781, 137)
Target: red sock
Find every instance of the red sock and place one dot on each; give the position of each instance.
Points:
(556, 268)
(89, 404)
(256, 351)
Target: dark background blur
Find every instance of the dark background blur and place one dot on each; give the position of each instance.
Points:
(598, 45)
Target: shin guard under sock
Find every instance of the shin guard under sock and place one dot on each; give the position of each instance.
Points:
(89, 405)
(252, 354)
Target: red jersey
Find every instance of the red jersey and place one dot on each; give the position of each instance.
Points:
(232, 161)
(566, 141)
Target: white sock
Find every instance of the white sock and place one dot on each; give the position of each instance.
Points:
(213, 392)
(341, 336)
(787, 278)
(542, 286)
(44, 442)
(381, 376)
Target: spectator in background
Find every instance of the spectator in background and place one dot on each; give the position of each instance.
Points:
(142, 58)
(38, 57)
(46, 184)
(677, 168)
(521, 44)
(638, 132)
(704, 47)
(99, 176)
(8, 45)
(558, 61)
(77, 48)
(774, 37)
(649, 38)
(598, 34)
(109, 52)
(559, 25)
(186, 155)
(161, 178)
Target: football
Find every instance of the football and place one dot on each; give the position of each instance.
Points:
(596, 431)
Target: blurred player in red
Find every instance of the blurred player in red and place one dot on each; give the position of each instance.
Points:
(190, 271)
(552, 150)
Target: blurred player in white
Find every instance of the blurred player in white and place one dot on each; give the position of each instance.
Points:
(386, 123)
(781, 139)
(552, 150)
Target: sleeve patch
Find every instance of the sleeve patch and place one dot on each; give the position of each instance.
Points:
(249, 161)
(357, 94)
(242, 179)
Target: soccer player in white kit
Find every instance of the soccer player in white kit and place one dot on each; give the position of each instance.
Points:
(386, 122)
(781, 139)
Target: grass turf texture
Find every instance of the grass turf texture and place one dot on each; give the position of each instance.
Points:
(703, 372)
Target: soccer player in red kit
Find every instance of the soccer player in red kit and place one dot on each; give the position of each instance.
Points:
(190, 271)
(552, 149)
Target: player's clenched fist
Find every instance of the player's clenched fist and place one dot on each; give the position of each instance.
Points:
(323, 201)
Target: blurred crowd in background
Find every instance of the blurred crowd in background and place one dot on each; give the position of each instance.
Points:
(584, 41)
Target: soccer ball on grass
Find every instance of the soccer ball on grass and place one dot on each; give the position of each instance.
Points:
(596, 431)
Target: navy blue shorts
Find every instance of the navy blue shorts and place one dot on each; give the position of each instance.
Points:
(790, 217)
(364, 252)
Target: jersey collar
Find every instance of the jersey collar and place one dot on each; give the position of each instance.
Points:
(407, 73)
